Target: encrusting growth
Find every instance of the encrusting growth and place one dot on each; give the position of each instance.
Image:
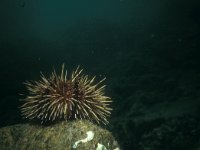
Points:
(60, 97)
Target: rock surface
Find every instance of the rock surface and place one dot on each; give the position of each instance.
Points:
(61, 136)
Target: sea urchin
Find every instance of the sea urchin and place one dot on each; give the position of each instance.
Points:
(63, 97)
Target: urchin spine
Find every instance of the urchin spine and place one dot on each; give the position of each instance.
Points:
(58, 97)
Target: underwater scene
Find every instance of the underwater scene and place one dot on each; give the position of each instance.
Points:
(100, 75)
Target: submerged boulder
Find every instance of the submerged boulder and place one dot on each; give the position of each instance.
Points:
(77, 135)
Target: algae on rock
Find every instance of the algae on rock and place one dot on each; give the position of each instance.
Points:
(61, 136)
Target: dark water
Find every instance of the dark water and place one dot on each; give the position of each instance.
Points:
(149, 50)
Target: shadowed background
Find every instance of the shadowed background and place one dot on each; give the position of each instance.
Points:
(148, 50)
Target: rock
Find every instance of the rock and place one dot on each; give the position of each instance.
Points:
(61, 136)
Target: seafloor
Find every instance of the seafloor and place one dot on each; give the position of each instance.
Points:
(149, 53)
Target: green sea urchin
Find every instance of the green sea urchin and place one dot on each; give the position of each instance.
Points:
(63, 97)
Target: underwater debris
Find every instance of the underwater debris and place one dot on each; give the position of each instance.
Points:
(101, 147)
(90, 136)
